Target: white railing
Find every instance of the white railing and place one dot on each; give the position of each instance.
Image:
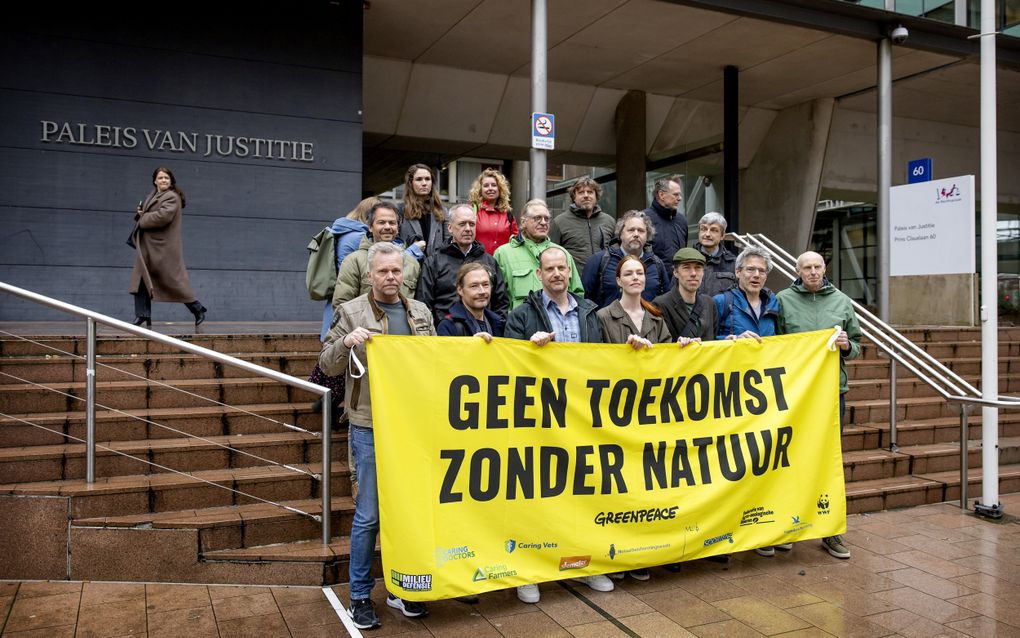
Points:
(94, 318)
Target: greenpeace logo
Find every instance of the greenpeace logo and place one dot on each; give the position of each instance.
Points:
(446, 554)
(574, 562)
(411, 582)
(728, 536)
(757, 516)
(649, 515)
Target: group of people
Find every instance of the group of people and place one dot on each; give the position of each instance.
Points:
(415, 269)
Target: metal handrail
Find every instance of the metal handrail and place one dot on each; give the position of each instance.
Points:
(903, 351)
(92, 318)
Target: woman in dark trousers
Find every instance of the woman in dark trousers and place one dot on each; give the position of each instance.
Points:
(159, 271)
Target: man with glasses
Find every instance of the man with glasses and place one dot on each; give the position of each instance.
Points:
(670, 224)
(518, 260)
(750, 310)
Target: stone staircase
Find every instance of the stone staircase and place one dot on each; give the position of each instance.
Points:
(141, 522)
(926, 466)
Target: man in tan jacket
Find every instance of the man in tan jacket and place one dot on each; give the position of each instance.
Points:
(382, 310)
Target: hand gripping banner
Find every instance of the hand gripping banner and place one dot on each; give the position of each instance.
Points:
(504, 464)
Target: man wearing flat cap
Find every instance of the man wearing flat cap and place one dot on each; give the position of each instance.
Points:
(689, 315)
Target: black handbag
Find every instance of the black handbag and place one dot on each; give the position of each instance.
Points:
(131, 238)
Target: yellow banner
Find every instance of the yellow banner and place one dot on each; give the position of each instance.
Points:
(504, 464)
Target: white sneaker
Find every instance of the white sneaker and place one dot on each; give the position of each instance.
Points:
(785, 546)
(766, 551)
(528, 594)
(598, 582)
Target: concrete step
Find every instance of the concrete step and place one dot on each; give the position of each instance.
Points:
(154, 456)
(870, 436)
(110, 345)
(210, 420)
(909, 491)
(939, 333)
(134, 395)
(241, 526)
(335, 555)
(863, 465)
(861, 369)
(138, 494)
(907, 409)
(908, 386)
(947, 349)
(163, 367)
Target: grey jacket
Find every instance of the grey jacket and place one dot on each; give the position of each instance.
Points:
(582, 236)
(720, 271)
(334, 359)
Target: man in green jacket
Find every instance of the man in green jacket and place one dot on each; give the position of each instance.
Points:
(583, 229)
(518, 260)
(812, 303)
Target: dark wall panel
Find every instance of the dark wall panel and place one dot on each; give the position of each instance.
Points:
(281, 72)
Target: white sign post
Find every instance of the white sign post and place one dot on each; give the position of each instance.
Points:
(932, 227)
(543, 131)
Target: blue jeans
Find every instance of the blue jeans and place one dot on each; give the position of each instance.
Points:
(365, 528)
(842, 410)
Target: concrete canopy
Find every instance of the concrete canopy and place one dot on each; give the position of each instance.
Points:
(449, 78)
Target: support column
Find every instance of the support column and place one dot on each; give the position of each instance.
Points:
(884, 171)
(989, 505)
(539, 82)
(731, 149)
(630, 124)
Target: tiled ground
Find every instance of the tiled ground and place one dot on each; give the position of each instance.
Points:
(922, 572)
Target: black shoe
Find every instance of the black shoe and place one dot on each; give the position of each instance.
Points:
(200, 315)
(363, 614)
(673, 567)
(722, 559)
(409, 608)
(470, 599)
(142, 321)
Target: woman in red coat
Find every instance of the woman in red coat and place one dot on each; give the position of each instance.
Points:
(159, 271)
(490, 195)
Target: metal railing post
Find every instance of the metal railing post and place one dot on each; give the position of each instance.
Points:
(90, 401)
(892, 405)
(965, 409)
(325, 484)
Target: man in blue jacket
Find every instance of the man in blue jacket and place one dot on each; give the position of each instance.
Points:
(750, 309)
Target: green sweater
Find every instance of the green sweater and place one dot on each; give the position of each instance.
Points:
(518, 261)
(804, 311)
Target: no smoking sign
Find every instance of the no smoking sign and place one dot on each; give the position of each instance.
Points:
(543, 131)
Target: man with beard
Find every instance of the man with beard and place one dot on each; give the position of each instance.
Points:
(583, 229)
(471, 315)
(633, 232)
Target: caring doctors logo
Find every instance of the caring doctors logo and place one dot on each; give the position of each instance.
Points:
(411, 582)
(728, 536)
(796, 525)
(493, 572)
(758, 515)
(446, 554)
(823, 505)
(945, 195)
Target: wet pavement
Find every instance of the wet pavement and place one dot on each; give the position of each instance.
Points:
(919, 572)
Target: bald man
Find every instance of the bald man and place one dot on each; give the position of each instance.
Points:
(812, 303)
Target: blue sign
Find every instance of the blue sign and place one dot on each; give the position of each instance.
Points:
(543, 131)
(919, 170)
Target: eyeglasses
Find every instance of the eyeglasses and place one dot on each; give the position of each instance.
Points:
(540, 218)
